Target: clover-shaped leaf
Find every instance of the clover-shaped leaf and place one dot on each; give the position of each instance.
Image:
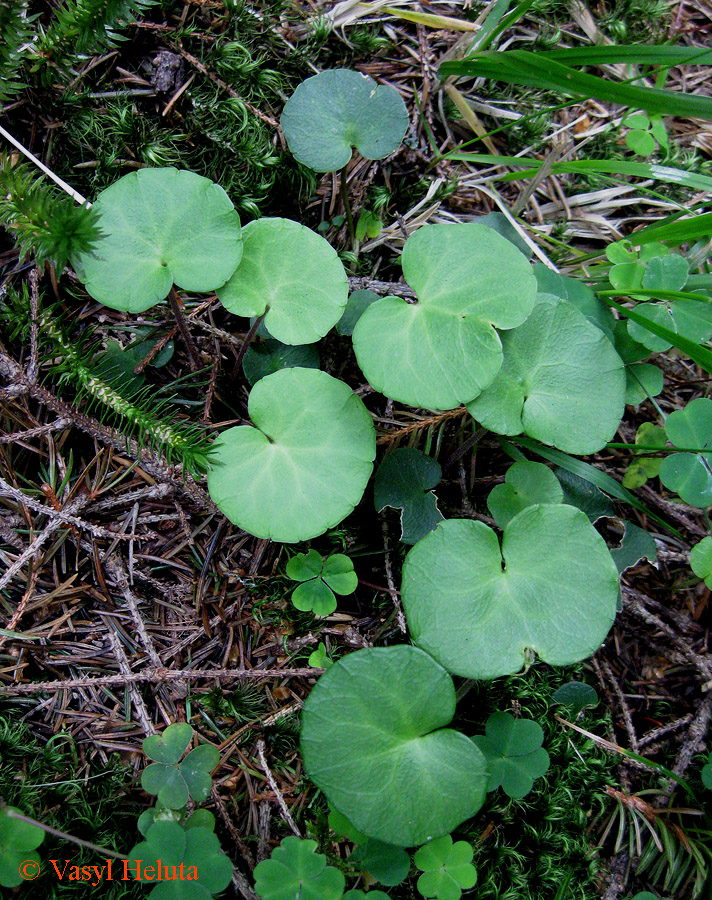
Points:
(690, 474)
(318, 658)
(405, 480)
(304, 465)
(206, 870)
(356, 306)
(293, 274)
(160, 227)
(374, 740)
(561, 381)
(525, 484)
(576, 695)
(447, 868)
(642, 467)
(514, 753)
(270, 356)
(320, 579)
(646, 132)
(482, 612)
(18, 841)
(360, 895)
(443, 350)
(338, 109)
(169, 746)
(196, 769)
(701, 560)
(691, 319)
(296, 872)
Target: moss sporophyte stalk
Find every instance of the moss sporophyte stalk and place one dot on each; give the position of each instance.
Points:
(123, 870)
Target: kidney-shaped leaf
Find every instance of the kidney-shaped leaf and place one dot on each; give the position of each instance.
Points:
(374, 740)
(561, 381)
(481, 611)
(293, 273)
(443, 350)
(338, 109)
(304, 465)
(525, 484)
(160, 226)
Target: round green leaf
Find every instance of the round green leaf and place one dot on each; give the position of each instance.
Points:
(316, 596)
(374, 740)
(16, 834)
(481, 612)
(561, 382)
(641, 142)
(525, 484)
(304, 566)
(169, 746)
(443, 350)
(270, 356)
(293, 273)
(296, 872)
(161, 226)
(339, 574)
(701, 560)
(666, 273)
(196, 769)
(576, 695)
(338, 109)
(388, 864)
(305, 464)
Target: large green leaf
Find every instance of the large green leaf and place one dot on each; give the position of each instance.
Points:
(293, 273)
(304, 465)
(561, 381)
(338, 109)
(161, 226)
(443, 350)
(374, 740)
(482, 612)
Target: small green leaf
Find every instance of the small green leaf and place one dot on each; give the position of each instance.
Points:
(338, 109)
(338, 573)
(447, 868)
(689, 474)
(296, 872)
(167, 783)
(576, 695)
(340, 825)
(160, 227)
(388, 864)
(169, 746)
(360, 895)
(636, 545)
(641, 142)
(305, 566)
(404, 480)
(643, 380)
(706, 776)
(196, 769)
(666, 273)
(357, 304)
(584, 496)
(314, 596)
(513, 750)
(318, 658)
(270, 356)
(201, 818)
(18, 841)
(525, 484)
(701, 560)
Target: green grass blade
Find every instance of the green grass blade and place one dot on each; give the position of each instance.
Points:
(701, 355)
(667, 174)
(636, 54)
(676, 232)
(589, 473)
(525, 67)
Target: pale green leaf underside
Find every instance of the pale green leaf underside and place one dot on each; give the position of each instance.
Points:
(444, 349)
(305, 464)
(561, 382)
(293, 271)
(556, 595)
(373, 739)
(338, 109)
(161, 226)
